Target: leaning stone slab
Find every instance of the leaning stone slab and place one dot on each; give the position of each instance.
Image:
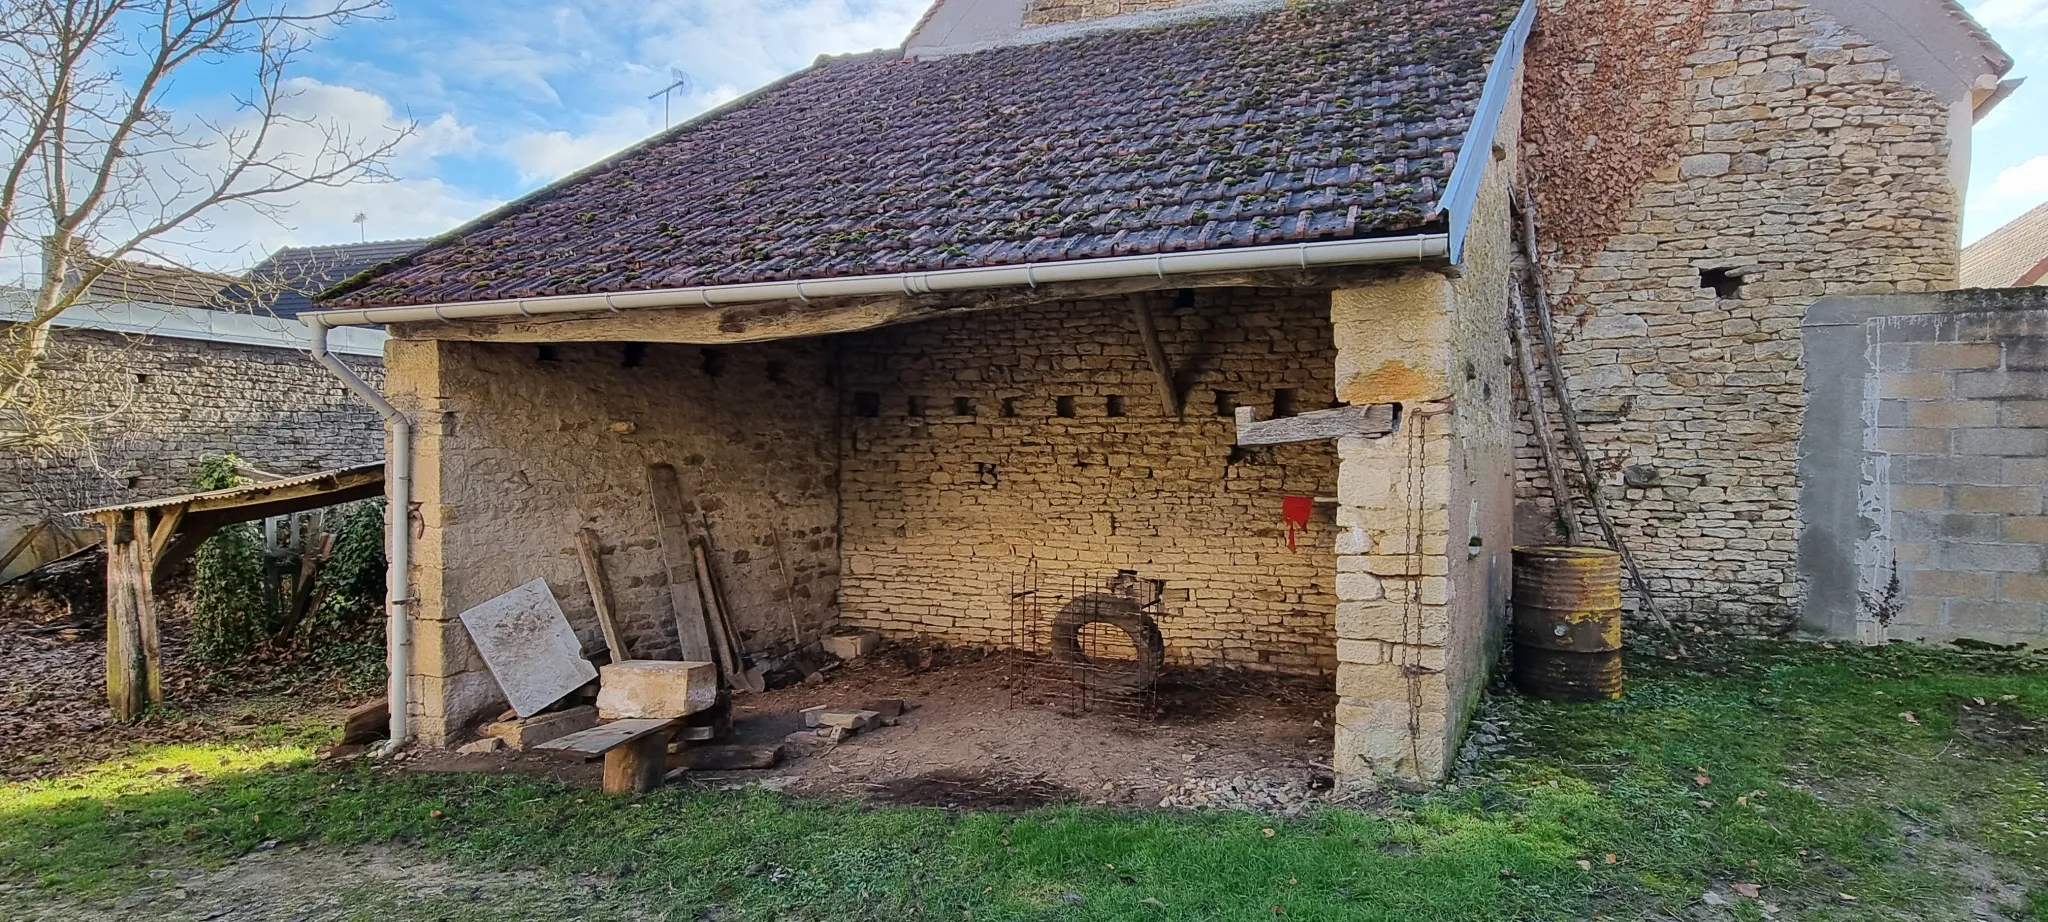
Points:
(529, 646)
(656, 688)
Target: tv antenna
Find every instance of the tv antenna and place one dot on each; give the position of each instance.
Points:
(667, 92)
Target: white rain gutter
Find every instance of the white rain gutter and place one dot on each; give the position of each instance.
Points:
(397, 528)
(398, 464)
(939, 281)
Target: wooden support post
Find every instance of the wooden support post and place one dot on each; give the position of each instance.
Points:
(1155, 352)
(134, 678)
(667, 492)
(638, 766)
(600, 594)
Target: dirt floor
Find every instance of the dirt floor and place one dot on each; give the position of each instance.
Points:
(982, 731)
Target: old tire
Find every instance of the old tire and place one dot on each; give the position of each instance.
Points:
(1122, 614)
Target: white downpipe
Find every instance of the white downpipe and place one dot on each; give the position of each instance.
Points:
(1244, 259)
(397, 528)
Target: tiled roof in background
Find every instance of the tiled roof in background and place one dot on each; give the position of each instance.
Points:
(2010, 256)
(287, 279)
(1323, 121)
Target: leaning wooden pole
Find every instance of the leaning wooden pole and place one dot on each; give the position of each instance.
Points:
(1569, 414)
(1539, 418)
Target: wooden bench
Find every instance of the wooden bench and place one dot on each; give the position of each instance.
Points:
(635, 751)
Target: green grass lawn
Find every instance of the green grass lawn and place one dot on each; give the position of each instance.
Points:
(1839, 784)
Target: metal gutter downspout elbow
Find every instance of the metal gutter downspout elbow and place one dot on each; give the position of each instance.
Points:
(397, 529)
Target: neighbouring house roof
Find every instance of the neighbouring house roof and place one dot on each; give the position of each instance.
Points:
(1316, 122)
(2012, 256)
(134, 280)
(285, 281)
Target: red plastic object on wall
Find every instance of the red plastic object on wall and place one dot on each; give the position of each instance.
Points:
(1296, 510)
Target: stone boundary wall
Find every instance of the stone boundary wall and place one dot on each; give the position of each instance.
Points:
(972, 445)
(1924, 467)
(174, 402)
(1800, 164)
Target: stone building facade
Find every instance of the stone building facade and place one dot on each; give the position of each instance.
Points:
(171, 400)
(1047, 12)
(1705, 170)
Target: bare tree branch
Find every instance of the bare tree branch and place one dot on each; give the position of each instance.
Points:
(97, 168)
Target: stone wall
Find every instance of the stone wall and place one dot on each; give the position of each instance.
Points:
(1925, 467)
(520, 446)
(1425, 514)
(174, 402)
(1689, 222)
(1045, 12)
(973, 445)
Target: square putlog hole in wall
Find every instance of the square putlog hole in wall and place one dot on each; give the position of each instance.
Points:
(1725, 283)
(1009, 408)
(1063, 406)
(1283, 403)
(963, 406)
(917, 406)
(1116, 404)
(867, 404)
(1226, 404)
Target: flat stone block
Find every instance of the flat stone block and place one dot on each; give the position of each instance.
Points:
(526, 733)
(656, 688)
(853, 646)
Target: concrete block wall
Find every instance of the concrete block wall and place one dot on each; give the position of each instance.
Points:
(1928, 479)
(172, 403)
(972, 445)
(520, 446)
(1678, 143)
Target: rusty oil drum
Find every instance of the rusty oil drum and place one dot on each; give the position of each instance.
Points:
(1568, 623)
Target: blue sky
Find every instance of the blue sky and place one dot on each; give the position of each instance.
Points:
(511, 94)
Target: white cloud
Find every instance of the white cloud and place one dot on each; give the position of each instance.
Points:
(2012, 14)
(411, 202)
(2025, 182)
(542, 156)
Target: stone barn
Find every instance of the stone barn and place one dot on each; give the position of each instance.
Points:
(1211, 293)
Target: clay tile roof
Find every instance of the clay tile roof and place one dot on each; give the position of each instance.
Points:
(2015, 255)
(1320, 121)
(284, 282)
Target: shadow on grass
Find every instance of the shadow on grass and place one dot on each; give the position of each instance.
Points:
(1795, 774)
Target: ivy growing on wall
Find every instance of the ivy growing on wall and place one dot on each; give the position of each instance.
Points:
(231, 614)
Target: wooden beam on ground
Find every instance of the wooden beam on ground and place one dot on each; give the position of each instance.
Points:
(666, 491)
(1370, 421)
(1155, 353)
(600, 594)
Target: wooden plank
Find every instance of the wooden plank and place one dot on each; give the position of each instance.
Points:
(160, 537)
(684, 596)
(597, 741)
(600, 594)
(1534, 266)
(28, 537)
(1539, 418)
(367, 722)
(714, 614)
(1369, 421)
(1155, 353)
(725, 758)
(636, 767)
(142, 559)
